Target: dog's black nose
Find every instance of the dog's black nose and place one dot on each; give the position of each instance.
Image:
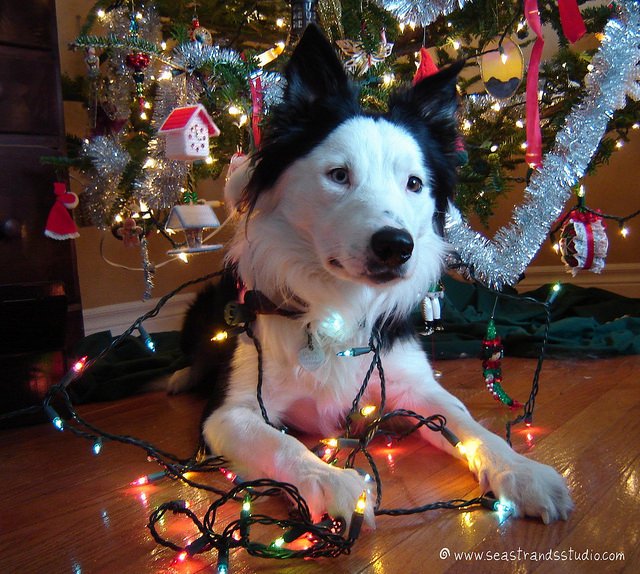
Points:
(392, 246)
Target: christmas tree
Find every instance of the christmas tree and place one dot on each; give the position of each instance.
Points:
(145, 60)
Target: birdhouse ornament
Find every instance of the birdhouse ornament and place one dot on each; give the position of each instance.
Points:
(192, 219)
(187, 131)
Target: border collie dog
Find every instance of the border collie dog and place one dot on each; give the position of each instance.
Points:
(340, 218)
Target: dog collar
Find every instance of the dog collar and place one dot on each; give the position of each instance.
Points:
(260, 304)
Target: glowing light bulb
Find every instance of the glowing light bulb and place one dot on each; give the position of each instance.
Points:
(368, 410)
(330, 442)
(402, 26)
(246, 505)
(97, 447)
(635, 126)
(556, 247)
(101, 13)
(496, 107)
(362, 503)
(332, 325)
(504, 508)
(150, 163)
(619, 144)
(461, 448)
(243, 120)
(209, 160)
(624, 231)
(553, 294)
(165, 75)
(466, 125)
(278, 542)
(581, 191)
(455, 44)
(523, 145)
(234, 110)
(182, 556)
(118, 218)
(280, 22)
(388, 79)
(493, 148)
(503, 55)
(144, 116)
(183, 257)
(519, 124)
(520, 26)
(590, 67)
(412, 25)
(138, 15)
(163, 45)
(220, 336)
(79, 364)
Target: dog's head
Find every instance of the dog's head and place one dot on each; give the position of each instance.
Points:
(366, 191)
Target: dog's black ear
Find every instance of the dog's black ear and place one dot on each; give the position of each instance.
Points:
(434, 98)
(314, 70)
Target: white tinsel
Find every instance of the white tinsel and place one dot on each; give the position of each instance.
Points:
(420, 12)
(615, 75)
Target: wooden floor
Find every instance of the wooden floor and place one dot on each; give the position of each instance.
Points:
(65, 510)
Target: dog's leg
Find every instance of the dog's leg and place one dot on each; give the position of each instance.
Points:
(534, 489)
(257, 450)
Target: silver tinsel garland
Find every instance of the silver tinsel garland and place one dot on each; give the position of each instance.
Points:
(108, 157)
(192, 56)
(615, 75)
(420, 12)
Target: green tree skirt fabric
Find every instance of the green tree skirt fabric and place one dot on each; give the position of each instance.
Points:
(585, 323)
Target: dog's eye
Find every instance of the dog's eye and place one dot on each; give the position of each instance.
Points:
(414, 184)
(339, 175)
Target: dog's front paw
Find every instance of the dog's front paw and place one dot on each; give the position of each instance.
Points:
(179, 382)
(533, 489)
(335, 491)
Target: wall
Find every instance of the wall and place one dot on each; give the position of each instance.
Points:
(614, 190)
(106, 289)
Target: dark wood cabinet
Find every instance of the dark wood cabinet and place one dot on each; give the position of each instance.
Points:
(37, 273)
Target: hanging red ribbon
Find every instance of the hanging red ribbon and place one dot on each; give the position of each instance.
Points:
(534, 134)
(255, 84)
(588, 261)
(571, 20)
(573, 28)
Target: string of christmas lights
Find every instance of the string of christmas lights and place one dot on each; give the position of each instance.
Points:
(324, 539)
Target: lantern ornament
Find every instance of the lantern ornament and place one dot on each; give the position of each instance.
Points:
(192, 219)
(303, 12)
(583, 242)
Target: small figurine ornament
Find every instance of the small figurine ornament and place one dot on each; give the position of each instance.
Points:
(431, 309)
(130, 232)
(492, 353)
(60, 224)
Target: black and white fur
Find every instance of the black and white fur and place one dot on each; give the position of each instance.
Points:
(340, 216)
